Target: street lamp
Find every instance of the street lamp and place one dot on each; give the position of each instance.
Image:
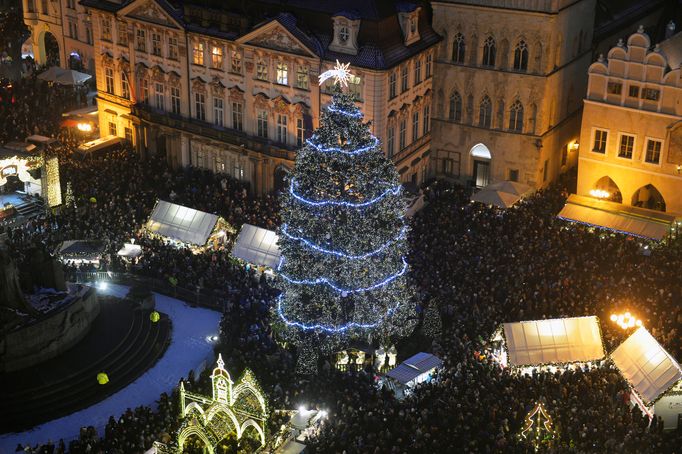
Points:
(626, 320)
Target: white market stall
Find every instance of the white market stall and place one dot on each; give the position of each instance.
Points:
(549, 343)
(185, 225)
(100, 144)
(413, 371)
(130, 251)
(654, 376)
(81, 251)
(257, 246)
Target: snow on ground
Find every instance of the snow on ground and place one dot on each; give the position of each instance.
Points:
(189, 349)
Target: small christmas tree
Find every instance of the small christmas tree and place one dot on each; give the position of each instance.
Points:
(69, 199)
(538, 427)
(433, 325)
(343, 238)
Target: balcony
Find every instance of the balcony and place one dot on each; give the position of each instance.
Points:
(411, 148)
(204, 129)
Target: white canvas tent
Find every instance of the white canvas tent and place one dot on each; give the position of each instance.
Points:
(499, 199)
(258, 246)
(511, 187)
(180, 223)
(649, 369)
(553, 342)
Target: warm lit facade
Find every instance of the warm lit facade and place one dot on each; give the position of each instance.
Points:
(68, 23)
(508, 86)
(631, 137)
(208, 89)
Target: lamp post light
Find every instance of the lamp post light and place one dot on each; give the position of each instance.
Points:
(626, 320)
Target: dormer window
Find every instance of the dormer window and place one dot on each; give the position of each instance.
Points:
(346, 27)
(408, 16)
(344, 34)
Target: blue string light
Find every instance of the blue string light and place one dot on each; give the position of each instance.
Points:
(335, 329)
(395, 191)
(341, 150)
(400, 236)
(324, 280)
(356, 114)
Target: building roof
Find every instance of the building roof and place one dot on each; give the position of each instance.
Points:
(414, 366)
(646, 365)
(380, 38)
(672, 49)
(258, 246)
(553, 341)
(629, 220)
(181, 223)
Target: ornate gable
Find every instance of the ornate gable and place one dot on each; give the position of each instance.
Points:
(276, 37)
(150, 11)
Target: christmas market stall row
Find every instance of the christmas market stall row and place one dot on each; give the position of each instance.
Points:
(655, 377)
(184, 226)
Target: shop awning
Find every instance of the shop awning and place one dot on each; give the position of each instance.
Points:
(258, 246)
(629, 220)
(413, 367)
(646, 365)
(181, 223)
(553, 341)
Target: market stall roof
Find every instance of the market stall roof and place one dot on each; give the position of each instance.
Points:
(499, 199)
(130, 251)
(646, 365)
(511, 187)
(51, 74)
(72, 77)
(559, 340)
(99, 144)
(37, 138)
(81, 249)
(181, 223)
(258, 246)
(629, 220)
(87, 110)
(414, 366)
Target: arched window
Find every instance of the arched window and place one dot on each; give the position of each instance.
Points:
(458, 48)
(485, 112)
(516, 116)
(489, 51)
(455, 112)
(521, 56)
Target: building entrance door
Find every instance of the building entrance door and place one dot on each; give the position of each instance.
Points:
(481, 173)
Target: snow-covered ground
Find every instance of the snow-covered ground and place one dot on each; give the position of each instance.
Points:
(190, 348)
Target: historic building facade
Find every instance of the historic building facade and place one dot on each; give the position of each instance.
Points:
(236, 93)
(508, 85)
(631, 135)
(63, 27)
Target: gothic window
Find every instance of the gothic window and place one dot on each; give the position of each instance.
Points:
(516, 116)
(455, 112)
(458, 48)
(485, 112)
(521, 56)
(489, 50)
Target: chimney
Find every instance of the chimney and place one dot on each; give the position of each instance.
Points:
(669, 29)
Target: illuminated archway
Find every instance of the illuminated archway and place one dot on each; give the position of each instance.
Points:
(190, 431)
(607, 189)
(481, 158)
(648, 197)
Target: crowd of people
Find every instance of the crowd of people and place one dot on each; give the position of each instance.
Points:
(479, 266)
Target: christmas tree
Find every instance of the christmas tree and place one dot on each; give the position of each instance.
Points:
(538, 427)
(343, 237)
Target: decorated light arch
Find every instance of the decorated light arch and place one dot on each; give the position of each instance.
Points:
(232, 409)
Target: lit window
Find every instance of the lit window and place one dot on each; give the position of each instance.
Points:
(217, 57)
(355, 87)
(198, 54)
(106, 29)
(282, 73)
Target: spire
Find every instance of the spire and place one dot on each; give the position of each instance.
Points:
(220, 362)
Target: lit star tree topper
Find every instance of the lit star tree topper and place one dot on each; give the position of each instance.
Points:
(340, 73)
(343, 271)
